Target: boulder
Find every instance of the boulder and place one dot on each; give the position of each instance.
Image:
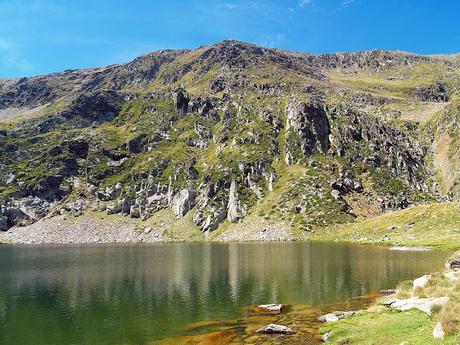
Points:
(326, 337)
(271, 307)
(336, 316)
(275, 329)
(134, 211)
(17, 216)
(420, 283)
(453, 264)
(4, 223)
(113, 209)
(77, 207)
(423, 304)
(438, 332)
(125, 206)
(452, 276)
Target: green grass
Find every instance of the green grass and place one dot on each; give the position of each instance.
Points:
(388, 327)
(434, 225)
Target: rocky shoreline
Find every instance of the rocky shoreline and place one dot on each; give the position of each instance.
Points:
(82, 230)
(88, 229)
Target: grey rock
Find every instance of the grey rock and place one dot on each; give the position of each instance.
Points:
(5, 224)
(423, 304)
(336, 316)
(307, 129)
(234, 211)
(113, 209)
(275, 329)
(135, 211)
(181, 100)
(438, 331)
(326, 337)
(271, 307)
(453, 264)
(183, 202)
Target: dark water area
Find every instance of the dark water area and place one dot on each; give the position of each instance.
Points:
(141, 294)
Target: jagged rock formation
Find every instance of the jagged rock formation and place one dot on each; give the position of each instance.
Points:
(211, 132)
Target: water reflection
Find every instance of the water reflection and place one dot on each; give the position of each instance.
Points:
(134, 294)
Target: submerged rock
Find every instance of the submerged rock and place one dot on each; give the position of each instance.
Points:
(275, 329)
(271, 307)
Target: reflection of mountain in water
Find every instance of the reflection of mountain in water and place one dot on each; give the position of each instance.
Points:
(129, 294)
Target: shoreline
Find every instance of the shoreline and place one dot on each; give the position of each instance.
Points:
(427, 306)
(94, 229)
(423, 227)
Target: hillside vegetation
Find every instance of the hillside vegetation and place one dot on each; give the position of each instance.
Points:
(234, 132)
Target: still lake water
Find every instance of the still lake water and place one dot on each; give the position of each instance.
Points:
(139, 294)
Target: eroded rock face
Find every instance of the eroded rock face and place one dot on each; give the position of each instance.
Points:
(434, 93)
(183, 202)
(307, 130)
(13, 215)
(181, 100)
(235, 210)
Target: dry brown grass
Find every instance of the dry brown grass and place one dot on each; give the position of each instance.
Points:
(449, 316)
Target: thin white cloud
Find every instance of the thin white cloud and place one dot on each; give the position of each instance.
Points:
(347, 3)
(303, 3)
(272, 41)
(11, 57)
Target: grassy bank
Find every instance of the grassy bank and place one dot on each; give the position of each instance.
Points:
(434, 225)
(382, 325)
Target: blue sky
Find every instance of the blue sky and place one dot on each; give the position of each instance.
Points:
(42, 36)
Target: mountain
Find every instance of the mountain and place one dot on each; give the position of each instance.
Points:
(233, 132)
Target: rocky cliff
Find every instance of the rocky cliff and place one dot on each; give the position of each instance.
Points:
(232, 130)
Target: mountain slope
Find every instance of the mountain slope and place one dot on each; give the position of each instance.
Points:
(232, 131)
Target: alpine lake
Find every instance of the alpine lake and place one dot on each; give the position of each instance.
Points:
(190, 293)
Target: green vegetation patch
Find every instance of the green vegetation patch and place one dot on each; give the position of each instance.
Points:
(386, 327)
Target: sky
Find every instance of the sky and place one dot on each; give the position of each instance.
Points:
(43, 36)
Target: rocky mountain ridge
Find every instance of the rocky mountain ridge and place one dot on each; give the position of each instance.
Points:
(211, 133)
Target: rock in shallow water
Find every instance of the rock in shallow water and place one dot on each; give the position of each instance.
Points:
(275, 329)
(271, 307)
